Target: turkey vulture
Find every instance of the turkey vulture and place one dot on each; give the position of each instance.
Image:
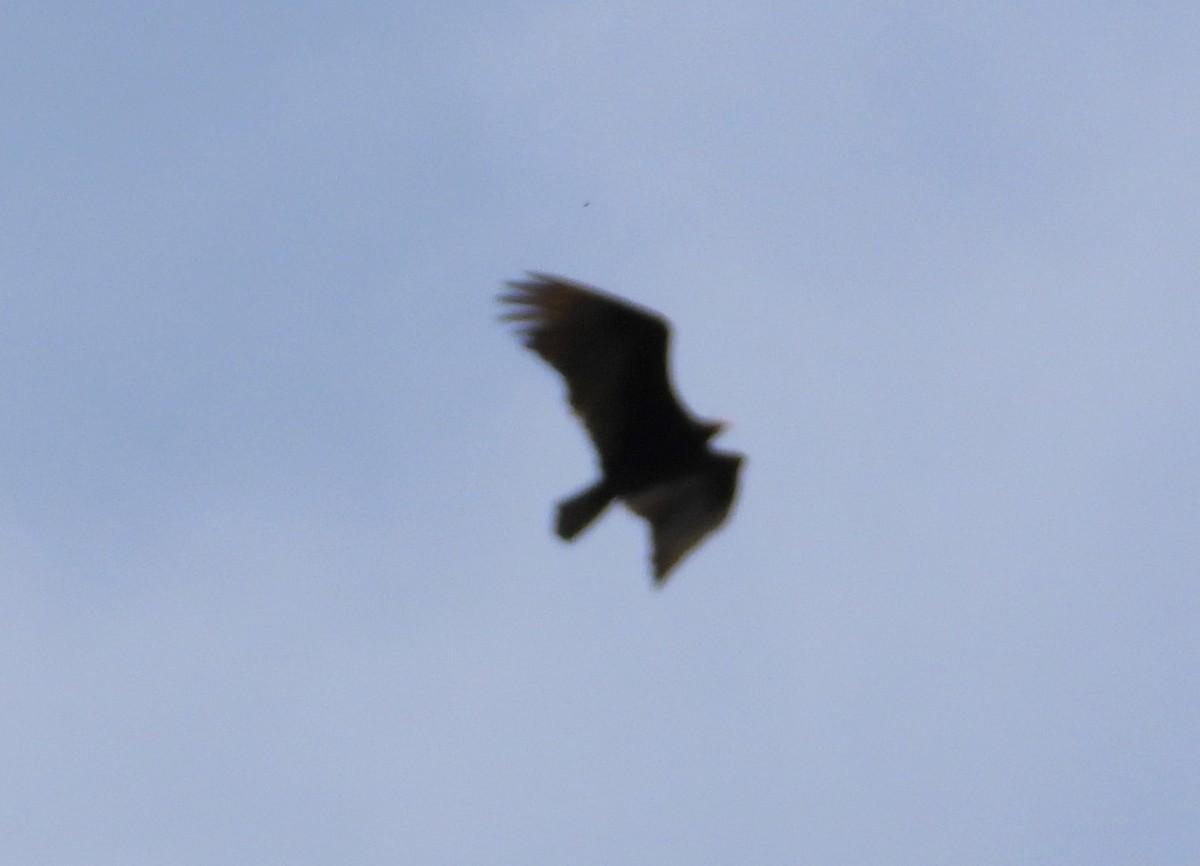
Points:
(654, 456)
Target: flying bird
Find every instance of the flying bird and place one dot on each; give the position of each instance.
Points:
(654, 455)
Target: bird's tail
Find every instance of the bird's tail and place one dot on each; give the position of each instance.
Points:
(575, 513)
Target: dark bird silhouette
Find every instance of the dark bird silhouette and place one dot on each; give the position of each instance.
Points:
(654, 456)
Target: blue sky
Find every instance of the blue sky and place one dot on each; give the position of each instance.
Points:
(277, 578)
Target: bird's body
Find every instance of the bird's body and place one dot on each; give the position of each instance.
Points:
(654, 456)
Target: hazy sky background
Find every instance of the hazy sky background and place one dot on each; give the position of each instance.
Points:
(276, 577)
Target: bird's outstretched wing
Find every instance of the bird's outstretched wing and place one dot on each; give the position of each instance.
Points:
(683, 510)
(613, 356)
